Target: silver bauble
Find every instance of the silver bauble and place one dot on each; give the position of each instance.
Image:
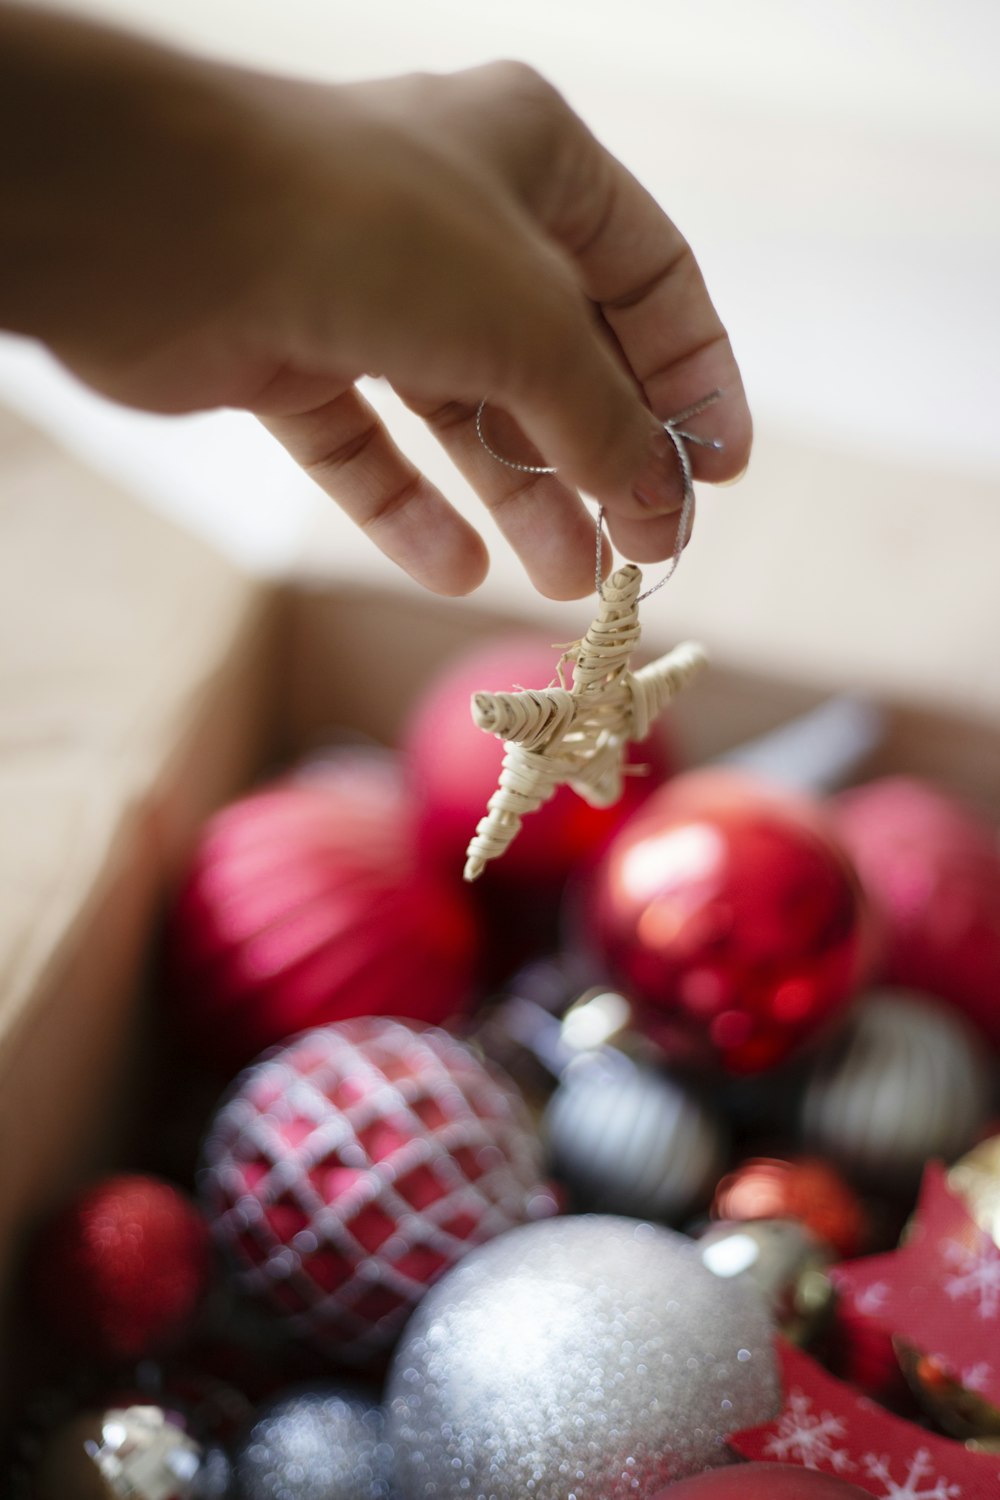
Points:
(628, 1139)
(321, 1443)
(588, 1358)
(908, 1080)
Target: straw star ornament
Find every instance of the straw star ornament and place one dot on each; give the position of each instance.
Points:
(577, 736)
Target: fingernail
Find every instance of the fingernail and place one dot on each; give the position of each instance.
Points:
(723, 484)
(659, 488)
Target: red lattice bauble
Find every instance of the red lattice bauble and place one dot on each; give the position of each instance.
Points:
(305, 904)
(931, 867)
(351, 1169)
(120, 1272)
(763, 1482)
(455, 768)
(728, 910)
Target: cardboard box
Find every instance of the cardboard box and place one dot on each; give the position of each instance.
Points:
(144, 681)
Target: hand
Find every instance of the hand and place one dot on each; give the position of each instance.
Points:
(261, 243)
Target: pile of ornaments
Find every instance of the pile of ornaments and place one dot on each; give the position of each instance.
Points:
(540, 1189)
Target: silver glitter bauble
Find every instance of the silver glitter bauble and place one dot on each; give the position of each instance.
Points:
(908, 1080)
(324, 1443)
(627, 1139)
(585, 1358)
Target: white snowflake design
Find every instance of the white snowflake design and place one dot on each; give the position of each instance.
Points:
(808, 1438)
(872, 1299)
(912, 1487)
(978, 1275)
(977, 1377)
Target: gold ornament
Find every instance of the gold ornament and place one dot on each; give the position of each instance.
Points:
(576, 735)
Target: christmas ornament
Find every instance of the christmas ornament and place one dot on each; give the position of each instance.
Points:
(579, 735)
(955, 1404)
(628, 1139)
(576, 736)
(454, 768)
(120, 1272)
(350, 1169)
(975, 1177)
(727, 910)
(939, 1293)
(590, 1356)
(321, 1443)
(829, 1428)
(306, 903)
(907, 1080)
(810, 1192)
(131, 1453)
(784, 1262)
(762, 1482)
(931, 867)
(859, 1350)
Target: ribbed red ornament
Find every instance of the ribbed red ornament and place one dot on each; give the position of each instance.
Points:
(351, 1169)
(120, 1272)
(931, 867)
(728, 910)
(306, 903)
(455, 768)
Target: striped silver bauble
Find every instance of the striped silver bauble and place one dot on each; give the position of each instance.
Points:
(628, 1139)
(909, 1079)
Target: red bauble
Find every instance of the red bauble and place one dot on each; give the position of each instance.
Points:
(455, 768)
(807, 1190)
(728, 910)
(763, 1482)
(305, 903)
(121, 1271)
(350, 1170)
(931, 868)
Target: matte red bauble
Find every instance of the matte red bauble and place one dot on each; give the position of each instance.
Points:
(763, 1482)
(727, 909)
(931, 868)
(352, 1168)
(120, 1272)
(455, 768)
(804, 1189)
(305, 903)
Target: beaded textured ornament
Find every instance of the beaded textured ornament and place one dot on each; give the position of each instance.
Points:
(578, 735)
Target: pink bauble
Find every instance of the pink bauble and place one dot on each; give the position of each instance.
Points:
(763, 1482)
(351, 1169)
(121, 1271)
(455, 768)
(306, 903)
(931, 867)
(728, 911)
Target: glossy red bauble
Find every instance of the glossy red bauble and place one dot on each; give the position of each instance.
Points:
(352, 1168)
(763, 1482)
(306, 903)
(120, 1272)
(729, 912)
(455, 768)
(804, 1189)
(931, 868)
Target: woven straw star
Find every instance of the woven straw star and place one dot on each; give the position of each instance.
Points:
(576, 735)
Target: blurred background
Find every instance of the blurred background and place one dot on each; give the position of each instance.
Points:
(836, 167)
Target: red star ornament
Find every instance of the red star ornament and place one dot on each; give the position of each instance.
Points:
(940, 1291)
(830, 1427)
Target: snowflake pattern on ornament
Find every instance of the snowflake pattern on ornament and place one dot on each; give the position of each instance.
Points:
(806, 1438)
(912, 1486)
(977, 1275)
(871, 1299)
